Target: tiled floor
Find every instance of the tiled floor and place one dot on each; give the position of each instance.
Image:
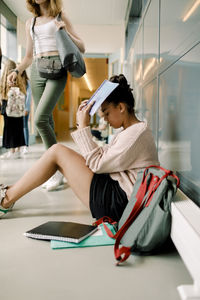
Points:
(30, 270)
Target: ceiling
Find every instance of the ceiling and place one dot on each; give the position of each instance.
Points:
(100, 23)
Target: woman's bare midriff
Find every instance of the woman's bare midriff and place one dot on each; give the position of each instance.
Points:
(50, 53)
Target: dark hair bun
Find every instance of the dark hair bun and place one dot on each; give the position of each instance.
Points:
(122, 93)
(121, 79)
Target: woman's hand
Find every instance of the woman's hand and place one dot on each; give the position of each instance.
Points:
(82, 115)
(12, 78)
(67, 25)
(60, 24)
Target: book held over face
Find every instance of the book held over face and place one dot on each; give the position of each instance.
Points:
(103, 91)
(61, 231)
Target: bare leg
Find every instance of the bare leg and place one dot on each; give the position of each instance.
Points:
(58, 157)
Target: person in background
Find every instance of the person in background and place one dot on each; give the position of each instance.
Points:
(45, 92)
(101, 131)
(101, 177)
(13, 134)
(27, 111)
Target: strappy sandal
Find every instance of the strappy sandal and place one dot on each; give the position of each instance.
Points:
(3, 190)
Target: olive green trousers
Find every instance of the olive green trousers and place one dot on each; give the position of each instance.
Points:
(46, 93)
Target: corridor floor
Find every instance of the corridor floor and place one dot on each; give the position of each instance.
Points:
(30, 270)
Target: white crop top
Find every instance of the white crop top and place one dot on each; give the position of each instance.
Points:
(45, 39)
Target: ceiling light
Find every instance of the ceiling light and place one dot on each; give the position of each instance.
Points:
(191, 10)
(88, 82)
(149, 66)
(139, 71)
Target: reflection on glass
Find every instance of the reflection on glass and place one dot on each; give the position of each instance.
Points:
(149, 66)
(191, 10)
(136, 73)
(139, 70)
(137, 58)
(151, 39)
(179, 124)
(176, 125)
(148, 109)
(179, 20)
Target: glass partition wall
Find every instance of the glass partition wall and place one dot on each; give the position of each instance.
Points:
(165, 72)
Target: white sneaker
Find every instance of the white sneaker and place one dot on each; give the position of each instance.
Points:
(16, 155)
(25, 150)
(54, 182)
(6, 155)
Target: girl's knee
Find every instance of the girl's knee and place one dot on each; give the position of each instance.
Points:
(39, 122)
(58, 151)
(56, 148)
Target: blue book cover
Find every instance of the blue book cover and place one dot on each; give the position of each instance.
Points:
(99, 238)
(103, 91)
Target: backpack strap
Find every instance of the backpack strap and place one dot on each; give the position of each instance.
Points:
(110, 221)
(167, 173)
(33, 34)
(58, 17)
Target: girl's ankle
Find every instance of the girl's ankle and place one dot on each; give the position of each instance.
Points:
(5, 202)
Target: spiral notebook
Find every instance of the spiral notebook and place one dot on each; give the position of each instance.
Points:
(99, 238)
(61, 231)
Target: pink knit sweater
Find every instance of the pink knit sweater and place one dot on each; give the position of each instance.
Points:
(129, 151)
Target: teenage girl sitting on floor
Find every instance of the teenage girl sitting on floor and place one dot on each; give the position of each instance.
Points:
(101, 177)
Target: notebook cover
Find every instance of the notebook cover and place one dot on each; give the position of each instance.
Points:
(97, 239)
(64, 231)
(103, 91)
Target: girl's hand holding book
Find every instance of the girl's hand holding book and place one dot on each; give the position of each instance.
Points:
(82, 115)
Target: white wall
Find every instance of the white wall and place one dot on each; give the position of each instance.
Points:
(97, 38)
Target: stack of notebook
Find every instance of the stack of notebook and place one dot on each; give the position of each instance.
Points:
(71, 235)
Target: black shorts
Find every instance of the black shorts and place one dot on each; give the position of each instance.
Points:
(106, 197)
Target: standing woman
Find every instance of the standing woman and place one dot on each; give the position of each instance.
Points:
(46, 92)
(13, 134)
(27, 110)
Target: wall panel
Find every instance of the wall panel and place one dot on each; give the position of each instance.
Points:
(179, 123)
(179, 28)
(165, 75)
